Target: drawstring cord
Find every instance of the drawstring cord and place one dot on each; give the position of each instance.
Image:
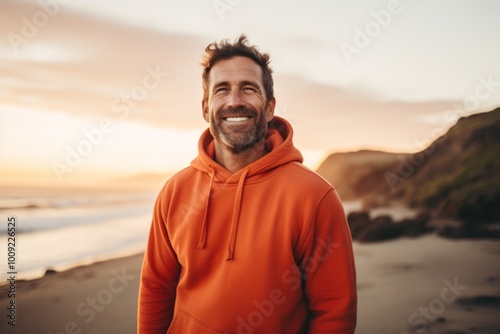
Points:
(236, 216)
(203, 233)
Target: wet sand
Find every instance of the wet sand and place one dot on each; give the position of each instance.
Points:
(423, 285)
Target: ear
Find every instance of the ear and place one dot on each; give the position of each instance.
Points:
(270, 109)
(204, 109)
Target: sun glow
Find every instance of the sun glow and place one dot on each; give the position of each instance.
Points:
(57, 147)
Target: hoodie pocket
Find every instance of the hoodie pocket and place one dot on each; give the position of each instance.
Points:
(184, 323)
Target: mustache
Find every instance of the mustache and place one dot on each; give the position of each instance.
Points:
(240, 111)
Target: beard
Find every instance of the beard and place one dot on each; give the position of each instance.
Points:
(238, 140)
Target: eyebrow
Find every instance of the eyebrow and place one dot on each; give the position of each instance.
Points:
(243, 83)
(220, 84)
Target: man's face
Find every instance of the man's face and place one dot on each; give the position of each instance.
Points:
(237, 108)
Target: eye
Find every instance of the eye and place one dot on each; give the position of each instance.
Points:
(221, 89)
(249, 89)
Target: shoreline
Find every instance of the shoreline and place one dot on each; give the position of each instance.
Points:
(62, 267)
(97, 298)
(396, 280)
(39, 273)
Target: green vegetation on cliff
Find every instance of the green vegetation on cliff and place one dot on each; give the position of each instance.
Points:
(457, 176)
(462, 178)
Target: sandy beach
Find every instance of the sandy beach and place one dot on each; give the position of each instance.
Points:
(423, 285)
(98, 298)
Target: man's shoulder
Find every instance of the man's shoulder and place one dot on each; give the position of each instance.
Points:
(184, 173)
(181, 177)
(301, 175)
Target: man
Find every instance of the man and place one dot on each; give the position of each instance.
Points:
(246, 239)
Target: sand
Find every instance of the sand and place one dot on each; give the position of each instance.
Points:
(79, 300)
(415, 285)
(405, 286)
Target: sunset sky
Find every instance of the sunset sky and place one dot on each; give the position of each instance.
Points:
(120, 81)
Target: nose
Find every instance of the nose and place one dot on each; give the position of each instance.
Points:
(236, 99)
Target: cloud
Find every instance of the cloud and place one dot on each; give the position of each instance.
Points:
(340, 118)
(81, 65)
(93, 62)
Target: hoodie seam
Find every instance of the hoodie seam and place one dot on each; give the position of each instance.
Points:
(310, 223)
(301, 166)
(201, 323)
(271, 163)
(248, 180)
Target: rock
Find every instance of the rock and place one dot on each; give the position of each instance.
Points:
(470, 231)
(440, 320)
(480, 301)
(417, 226)
(50, 272)
(383, 220)
(383, 227)
(358, 221)
(380, 229)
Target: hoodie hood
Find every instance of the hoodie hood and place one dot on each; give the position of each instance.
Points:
(278, 143)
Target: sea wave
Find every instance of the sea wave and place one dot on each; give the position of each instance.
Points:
(60, 229)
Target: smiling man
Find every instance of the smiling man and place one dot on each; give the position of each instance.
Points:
(246, 239)
(237, 110)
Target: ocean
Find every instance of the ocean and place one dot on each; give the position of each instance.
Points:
(58, 229)
(61, 228)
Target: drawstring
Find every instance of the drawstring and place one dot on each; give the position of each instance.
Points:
(235, 219)
(236, 216)
(203, 233)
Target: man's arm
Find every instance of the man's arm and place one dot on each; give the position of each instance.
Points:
(159, 277)
(328, 268)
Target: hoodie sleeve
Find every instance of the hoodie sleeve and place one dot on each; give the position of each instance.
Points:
(328, 267)
(159, 277)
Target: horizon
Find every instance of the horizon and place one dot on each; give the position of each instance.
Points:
(152, 180)
(121, 82)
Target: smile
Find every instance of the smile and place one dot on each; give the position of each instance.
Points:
(236, 119)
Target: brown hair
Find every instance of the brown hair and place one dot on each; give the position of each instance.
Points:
(226, 50)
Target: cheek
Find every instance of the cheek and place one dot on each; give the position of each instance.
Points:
(256, 99)
(216, 104)
(256, 102)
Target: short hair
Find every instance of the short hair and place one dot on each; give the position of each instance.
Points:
(224, 49)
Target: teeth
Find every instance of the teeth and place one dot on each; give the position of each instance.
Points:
(237, 119)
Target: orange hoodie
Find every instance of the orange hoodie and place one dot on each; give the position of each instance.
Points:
(264, 250)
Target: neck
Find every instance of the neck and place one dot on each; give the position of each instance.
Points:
(233, 162)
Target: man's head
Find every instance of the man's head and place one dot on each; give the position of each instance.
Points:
(215, 52)
(238, 98)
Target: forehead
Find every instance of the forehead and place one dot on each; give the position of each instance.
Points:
(234, 70)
